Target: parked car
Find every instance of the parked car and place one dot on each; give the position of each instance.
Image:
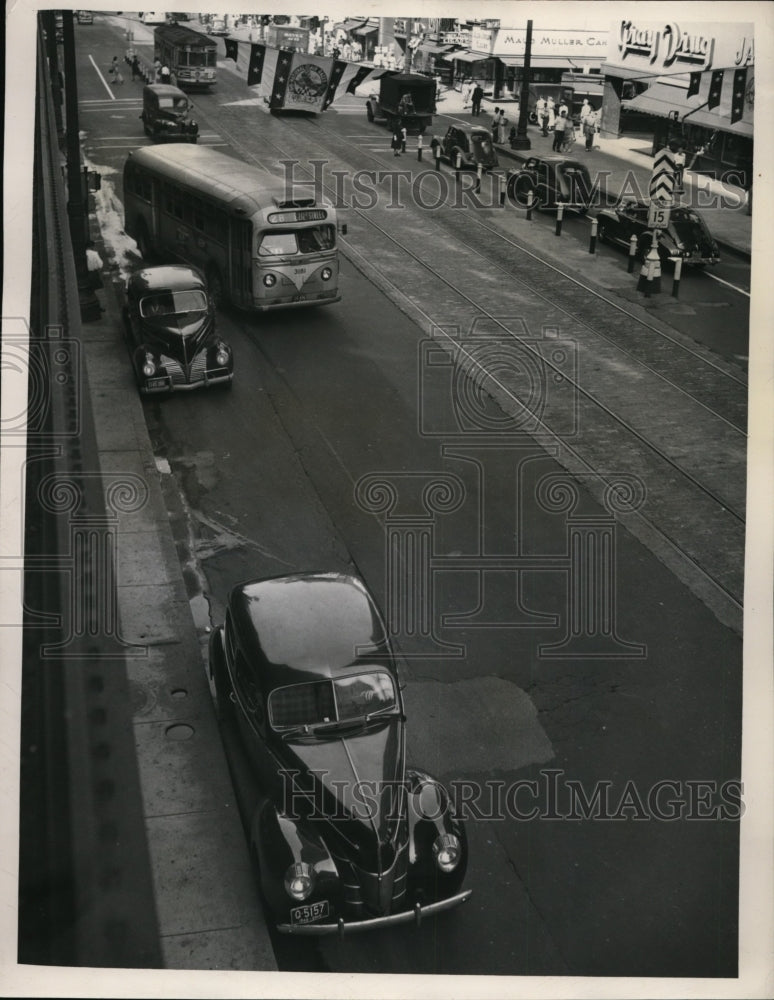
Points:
(407, 98)
(217, 26)
(344, 834)
(84, 17)
(170, 322)
(552, 180)
(687, 234)
(152, 17)
(472, 142)
(166, 114)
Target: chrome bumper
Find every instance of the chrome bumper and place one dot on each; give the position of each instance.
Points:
(343, 927)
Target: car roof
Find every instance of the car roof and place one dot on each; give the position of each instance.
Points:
(164, 90)
(307, 626)
(167, 277)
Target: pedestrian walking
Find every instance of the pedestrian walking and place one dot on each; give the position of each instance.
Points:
(495, 123)
(476, 98)
(467, 91)
(166, 74)
(586, 110)
(136, 71)
(156, 70)
(590, 129)
(551, 109)
(397, 140)
(502, 122)
(679, 152)
(560, 127)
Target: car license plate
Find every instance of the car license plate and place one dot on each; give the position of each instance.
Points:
(308, 914)
(157, 383)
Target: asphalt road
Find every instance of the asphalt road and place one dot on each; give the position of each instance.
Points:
(268, 475)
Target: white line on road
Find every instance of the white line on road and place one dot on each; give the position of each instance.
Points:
(724, 282)
(99, 74)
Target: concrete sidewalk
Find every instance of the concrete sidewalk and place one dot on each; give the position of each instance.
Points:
(723, 206)
(208, 904)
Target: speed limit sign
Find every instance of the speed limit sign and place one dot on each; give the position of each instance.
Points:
(658, 216)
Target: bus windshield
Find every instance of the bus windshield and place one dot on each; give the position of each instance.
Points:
(283, 243)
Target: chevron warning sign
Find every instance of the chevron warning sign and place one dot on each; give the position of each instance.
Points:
(662, 180)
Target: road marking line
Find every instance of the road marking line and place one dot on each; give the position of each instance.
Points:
(99, 74)
(724, 282)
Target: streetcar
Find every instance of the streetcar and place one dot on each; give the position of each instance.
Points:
(261, 245)
(190, 55)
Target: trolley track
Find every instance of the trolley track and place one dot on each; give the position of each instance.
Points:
(688, 505)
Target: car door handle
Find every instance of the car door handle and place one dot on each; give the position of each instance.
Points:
(232, 697)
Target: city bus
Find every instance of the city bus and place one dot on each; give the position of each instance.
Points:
(190, 55)
(260, 245)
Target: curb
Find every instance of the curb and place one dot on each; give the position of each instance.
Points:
(209, 909)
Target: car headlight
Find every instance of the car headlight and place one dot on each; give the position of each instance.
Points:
(149, 367)
(299, 880)
(192, 124)
(223, 355)
(269, 280)
(326, 274)
(447, 852)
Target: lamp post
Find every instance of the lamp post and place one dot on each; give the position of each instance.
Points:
(522, 141)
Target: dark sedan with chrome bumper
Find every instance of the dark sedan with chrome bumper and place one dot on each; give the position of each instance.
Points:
(686, 235)
(345, 835)
(170, 322)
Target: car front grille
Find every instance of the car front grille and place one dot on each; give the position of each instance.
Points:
(177, 373)
(369, 892)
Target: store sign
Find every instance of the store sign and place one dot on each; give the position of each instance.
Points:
(481, 40)
(673, 47)
(668, 44)
(552, 42)
(456, 38)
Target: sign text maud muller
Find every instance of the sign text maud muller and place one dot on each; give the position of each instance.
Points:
(668, 45)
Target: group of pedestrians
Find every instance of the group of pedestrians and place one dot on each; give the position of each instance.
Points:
(161, 72)
(472, 96)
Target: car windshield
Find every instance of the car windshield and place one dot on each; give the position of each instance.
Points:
(173, 303)
(173, 103)
(282, 243)
(343, 699)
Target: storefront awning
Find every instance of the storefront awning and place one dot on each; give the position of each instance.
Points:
(434, 50)
(469, 57)
(662, 99)
(366, 29)
(350, 24)
(552, 62)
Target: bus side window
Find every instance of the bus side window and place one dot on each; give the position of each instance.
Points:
(194, 213)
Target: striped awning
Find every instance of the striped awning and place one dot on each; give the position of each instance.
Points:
(469, 57)
(367, 28)
(661, 100)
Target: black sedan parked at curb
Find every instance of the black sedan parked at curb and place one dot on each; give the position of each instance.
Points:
(686, 235)
(170, 321)
(344, 835)
(551, 180)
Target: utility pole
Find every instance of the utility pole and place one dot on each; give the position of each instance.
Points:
(522, 140)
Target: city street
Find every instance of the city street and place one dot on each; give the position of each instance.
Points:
(621, 723)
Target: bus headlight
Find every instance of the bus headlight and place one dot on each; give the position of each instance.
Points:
(149, 367)
(299, 880)
(269, 280)
(447, 852)
(326, 274)
(222, 356)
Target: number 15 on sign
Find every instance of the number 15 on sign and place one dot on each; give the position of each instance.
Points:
(658, 216)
